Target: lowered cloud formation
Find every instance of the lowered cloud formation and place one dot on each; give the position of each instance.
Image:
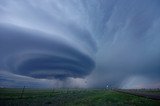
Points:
(80, 43)
(30, 53)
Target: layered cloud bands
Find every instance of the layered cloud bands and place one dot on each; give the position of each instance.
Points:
(42, 42)
(89, 43)
(29, 53)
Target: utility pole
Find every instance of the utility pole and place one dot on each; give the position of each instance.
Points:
(22, 92)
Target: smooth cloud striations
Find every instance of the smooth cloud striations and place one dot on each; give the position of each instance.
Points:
(30, 53)
(89, 42)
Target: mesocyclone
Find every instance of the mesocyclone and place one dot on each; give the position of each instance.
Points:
(42, 42)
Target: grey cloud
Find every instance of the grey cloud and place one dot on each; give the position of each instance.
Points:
(119, 38)
(26, 54)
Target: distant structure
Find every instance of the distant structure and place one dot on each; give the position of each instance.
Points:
(107, 87)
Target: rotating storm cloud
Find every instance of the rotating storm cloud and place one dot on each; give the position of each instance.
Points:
(80, 43)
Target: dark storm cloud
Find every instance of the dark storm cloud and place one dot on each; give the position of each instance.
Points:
(54, 66)
(63, 39)
(22, 52)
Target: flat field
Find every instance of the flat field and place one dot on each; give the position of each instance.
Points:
(71, 97)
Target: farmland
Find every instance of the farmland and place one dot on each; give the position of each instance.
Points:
(72, 97)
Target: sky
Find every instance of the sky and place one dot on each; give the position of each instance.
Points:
(80, 43)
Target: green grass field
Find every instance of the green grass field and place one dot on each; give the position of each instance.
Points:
(71, 97)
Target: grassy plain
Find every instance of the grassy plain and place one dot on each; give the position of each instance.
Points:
(71, 97)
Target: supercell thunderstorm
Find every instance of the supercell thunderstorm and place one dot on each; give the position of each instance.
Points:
(74, 41)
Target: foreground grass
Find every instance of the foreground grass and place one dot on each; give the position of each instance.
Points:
(64, 97)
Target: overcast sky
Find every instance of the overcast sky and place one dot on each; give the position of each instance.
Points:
(80, 43)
